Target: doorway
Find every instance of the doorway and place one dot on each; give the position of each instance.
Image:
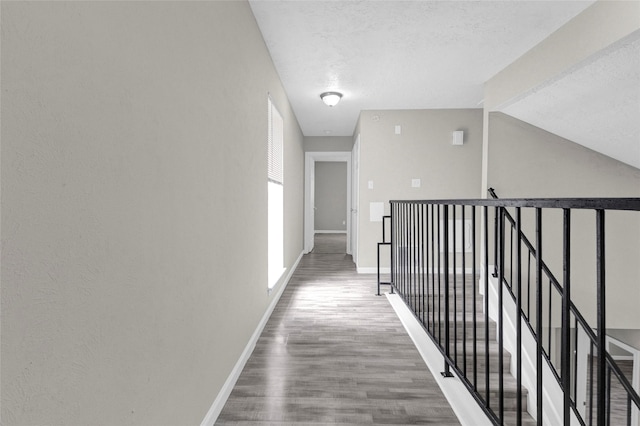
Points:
(311, 158)
(330, 207)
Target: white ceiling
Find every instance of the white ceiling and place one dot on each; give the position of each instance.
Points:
(596, 104)
(438, 54)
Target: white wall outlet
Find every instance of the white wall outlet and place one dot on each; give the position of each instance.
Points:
(398, 129)
(370, 184)
(415, 183)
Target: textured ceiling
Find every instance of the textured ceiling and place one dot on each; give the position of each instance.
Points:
(397, 54)
(438, 54)
(596, 105)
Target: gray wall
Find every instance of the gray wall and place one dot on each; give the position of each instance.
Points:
(328, 143)
(557, 55)
(134, 205)
(526, 161)
(423, 151)
(520, 160)
(330, 196)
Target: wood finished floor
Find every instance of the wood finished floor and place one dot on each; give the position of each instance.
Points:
(619, 402)
(330, 244)
(334, 353)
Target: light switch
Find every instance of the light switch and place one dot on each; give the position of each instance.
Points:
(370, 183)
(415, 183)
(458, 137)
(398, 129)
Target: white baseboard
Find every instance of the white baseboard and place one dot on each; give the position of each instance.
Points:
(552, 395)
(622, 357)
(330, 232)
(464, 406)
(223, 395)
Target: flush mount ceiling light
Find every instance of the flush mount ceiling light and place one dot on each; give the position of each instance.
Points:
(331, 98)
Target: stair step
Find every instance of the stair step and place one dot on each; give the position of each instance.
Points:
(481, 361)
(509, 392)
(436, 301)
(453, 315)
(457, 353)
(465, 331)
(418, 290)
(461, 334)
(510, 419)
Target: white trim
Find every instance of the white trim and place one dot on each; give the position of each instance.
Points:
(464, 406)
(344, 231)
(270, 288)
(622, 357)
(223, 395)
(552, 396)
(353, 213)
(310, 158)
(635, 372)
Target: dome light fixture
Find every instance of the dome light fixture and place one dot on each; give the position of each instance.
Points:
(331, 98)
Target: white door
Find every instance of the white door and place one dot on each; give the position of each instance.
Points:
(355, 171)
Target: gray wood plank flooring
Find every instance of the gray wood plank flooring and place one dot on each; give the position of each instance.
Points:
(619, 402)
(334, 353)
(330, 244)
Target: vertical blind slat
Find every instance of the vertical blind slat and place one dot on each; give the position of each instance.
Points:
(275, 137)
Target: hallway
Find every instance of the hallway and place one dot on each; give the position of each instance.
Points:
(334, 353)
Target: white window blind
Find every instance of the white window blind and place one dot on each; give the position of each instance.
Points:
(275, 139)
(275, 184)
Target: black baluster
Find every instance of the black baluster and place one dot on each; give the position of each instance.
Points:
(601, 313)
(539, 315)
(519, 318)
(565, 353)
(445, 212)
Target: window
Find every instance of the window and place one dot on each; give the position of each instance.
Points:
(275, 182)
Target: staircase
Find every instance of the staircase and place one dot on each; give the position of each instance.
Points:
(441, 252)
(473, 363)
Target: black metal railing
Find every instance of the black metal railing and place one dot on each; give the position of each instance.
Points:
(440, 266)
(384, 242)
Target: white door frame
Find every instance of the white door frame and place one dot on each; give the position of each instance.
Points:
(355, 172)
(310, 158)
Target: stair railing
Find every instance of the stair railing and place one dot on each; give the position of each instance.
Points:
(439, 248)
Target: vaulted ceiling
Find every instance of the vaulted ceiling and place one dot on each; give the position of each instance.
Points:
(596, 105)
(439, 54)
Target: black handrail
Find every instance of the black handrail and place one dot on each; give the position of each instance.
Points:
(383, 243)
(628, 204)
(421, 274)
(611, 364)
